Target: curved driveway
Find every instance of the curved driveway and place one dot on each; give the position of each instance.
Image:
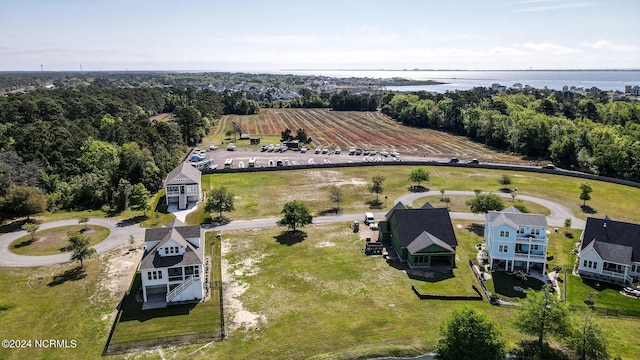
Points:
(119, 235)
(120, 230)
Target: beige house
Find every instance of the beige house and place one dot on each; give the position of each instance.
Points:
(183, 185)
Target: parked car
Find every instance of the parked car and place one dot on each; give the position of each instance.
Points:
(454, 161)
(475, 161)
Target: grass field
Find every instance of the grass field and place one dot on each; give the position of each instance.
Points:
(345, 129)
(53, 241)
(262, 194)
(458, 203)
(64, 305)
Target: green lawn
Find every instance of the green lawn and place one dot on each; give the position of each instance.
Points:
(458, 203)
(263, 194)
(65, 304)
(53, 241)
(145, 326)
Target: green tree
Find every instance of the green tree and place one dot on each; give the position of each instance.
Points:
(470, 334)
(567, 224)
(587, 338)
(541, 314)
(79, 247)
(483, 203)
(442, 194)
(31, 228)
(220, 199)
(296, 214)
(447, 200)
(505, 181)
(100, 157)
(192, 125)
(376, 186)
(24, 201)
(419, 175)
(335, 195)
(83, 220)
(585, 193)
(139, 198)
(301, 135)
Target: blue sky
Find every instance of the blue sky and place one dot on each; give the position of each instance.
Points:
(251, 35)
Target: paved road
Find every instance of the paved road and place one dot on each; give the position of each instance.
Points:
(556, 218)
(119, 235)
(120, 231)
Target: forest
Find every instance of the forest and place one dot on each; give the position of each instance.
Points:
(584, 132)
(86, 143)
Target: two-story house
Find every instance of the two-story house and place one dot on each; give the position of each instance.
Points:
(610, 251)
(172, 267)
(183, 185)
(516, 241)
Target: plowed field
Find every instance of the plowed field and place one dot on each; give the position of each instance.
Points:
(360, 129)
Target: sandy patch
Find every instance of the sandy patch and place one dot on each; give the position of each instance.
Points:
(236, 315)
(121, 265)
(332, 177)
(325, 244)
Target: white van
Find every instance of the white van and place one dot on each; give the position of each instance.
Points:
(368, 218)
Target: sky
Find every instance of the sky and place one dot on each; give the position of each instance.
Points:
(276, 35)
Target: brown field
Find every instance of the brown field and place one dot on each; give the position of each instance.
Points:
(361, 129)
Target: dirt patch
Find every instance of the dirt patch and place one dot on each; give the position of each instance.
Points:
(121, 265)
(233, 287)
(325, 244)
(332, 177)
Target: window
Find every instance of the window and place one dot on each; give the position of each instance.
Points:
(595, 264)
(535, 247)
(504, 233)
(520, 230)
(192, 188)
(503, 248)
(149, 275)
(584, 263)
(535, 231)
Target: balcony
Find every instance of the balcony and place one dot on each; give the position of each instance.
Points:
(531, 240)
(525, 255)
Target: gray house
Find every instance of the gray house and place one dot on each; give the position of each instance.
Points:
(610, 251)
(183, 186)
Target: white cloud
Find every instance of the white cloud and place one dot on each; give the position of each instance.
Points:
(608, 45)
(553, 5)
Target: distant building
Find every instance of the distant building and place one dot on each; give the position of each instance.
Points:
(183, 186)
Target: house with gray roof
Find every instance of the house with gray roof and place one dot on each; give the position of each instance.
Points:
(610, 251)
(516, 241)
(421, 237)
(172, 267)
(183, 186)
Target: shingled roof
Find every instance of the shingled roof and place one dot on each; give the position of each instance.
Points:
(413, 222)
(614, 241)
(514, 218)
(425, 240)
(193, 255)
(186, 170)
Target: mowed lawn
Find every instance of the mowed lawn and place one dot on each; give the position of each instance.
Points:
(321, 297)
(262, 194)
(53, 241)
(64, 305)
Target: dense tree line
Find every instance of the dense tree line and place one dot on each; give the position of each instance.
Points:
(584, 132)
(85, 147)
(345, 101)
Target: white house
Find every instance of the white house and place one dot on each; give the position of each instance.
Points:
(516, 241)
(183, 185)
(610, 251)
(172, 268)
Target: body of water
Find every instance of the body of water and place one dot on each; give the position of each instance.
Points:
(608, 80)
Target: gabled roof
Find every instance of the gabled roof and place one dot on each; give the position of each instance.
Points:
(193, 255)
(514, 218)
(185, 169)
(398, 205)
(615, 241)
(427, 205)
(412, 223)
(425, 240)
